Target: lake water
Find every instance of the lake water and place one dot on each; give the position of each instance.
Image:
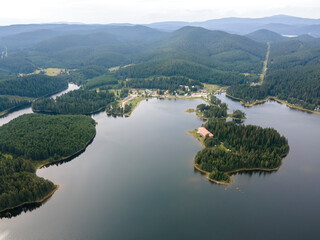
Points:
(137, 181)
(13, 115)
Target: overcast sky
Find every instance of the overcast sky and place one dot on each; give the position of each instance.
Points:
(147, 11)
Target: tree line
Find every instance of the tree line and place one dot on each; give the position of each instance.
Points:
(174, 67)
(164, 83)
(43, 137)
(75, 102)
(7, 102)
(33, 86)
(37, 137)
(19, 183)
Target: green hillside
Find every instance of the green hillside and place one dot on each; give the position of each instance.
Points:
(264, 35)
(293, 75)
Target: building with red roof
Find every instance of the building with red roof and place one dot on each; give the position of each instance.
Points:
(204, 132)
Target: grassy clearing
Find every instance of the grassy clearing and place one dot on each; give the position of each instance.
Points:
(52, 71)
(212, 88)
(113, 69)
(191, 110)
(134, 104)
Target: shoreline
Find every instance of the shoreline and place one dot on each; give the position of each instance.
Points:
(40, 201)
(271, 98)
(134, 108)
(102, 109)
(207, 175)
(6, 112)
(230, 173)
(46, 163)
(157, 97)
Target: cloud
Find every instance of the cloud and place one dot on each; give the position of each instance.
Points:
(145, 11)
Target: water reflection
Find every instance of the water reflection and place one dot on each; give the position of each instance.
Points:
(251, 173)
(22, 209)
(238, 121)
(68, 159)
(14, 114)
(138, 175)
(27, 109)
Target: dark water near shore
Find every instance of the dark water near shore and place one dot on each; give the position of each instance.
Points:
(13, 115)
(137, 181)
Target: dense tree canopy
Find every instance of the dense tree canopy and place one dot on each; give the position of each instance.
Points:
(7, 102)
(33, 137)
(216, 111)
(74, 102)
(293, 75)
(22, 187)
(103, 80)
(36, 85)
(163, 83)
(236, 147)
(238, 114)
(174, 67)
(40, 137)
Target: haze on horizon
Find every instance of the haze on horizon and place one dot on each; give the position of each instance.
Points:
(148, 11)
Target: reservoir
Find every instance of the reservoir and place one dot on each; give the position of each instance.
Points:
(136, 180)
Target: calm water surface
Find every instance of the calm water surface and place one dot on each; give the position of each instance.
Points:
(13, 115)
(136, 181)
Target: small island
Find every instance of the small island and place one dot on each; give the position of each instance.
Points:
(34, 140)
(230, 147)
(216, 109)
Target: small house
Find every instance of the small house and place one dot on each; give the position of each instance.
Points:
(204, 132)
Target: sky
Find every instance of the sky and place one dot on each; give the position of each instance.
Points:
(148, 11)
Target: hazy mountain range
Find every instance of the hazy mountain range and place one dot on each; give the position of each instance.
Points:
(281, 24)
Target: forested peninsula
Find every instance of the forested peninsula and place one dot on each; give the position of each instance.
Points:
(75, 102)
(16, 92)
(31, 141)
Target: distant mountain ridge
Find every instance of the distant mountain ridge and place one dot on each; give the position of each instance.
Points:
(281, 24)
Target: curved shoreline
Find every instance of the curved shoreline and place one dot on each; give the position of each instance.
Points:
(230, 173)
(271, 98)
(40, 201)
(207, 175)
(55, 113)
(46, 163)
(4, 113)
